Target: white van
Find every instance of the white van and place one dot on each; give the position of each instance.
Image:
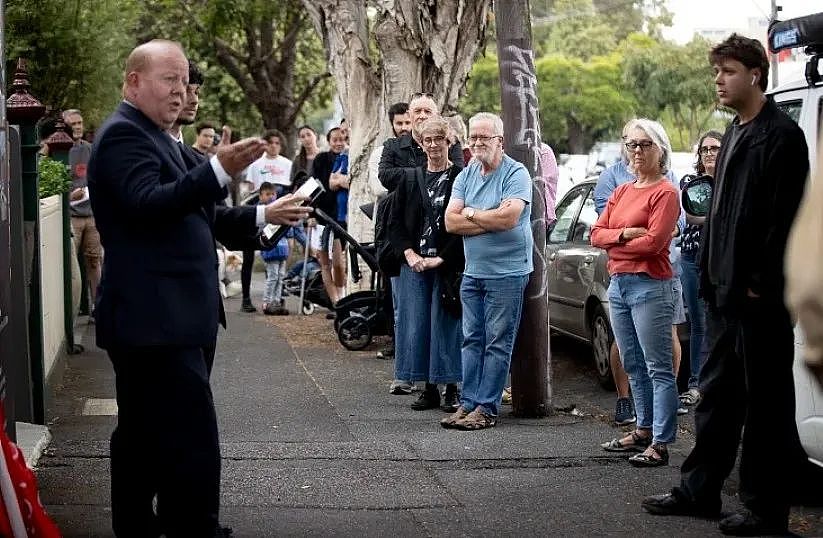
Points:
(802, 100)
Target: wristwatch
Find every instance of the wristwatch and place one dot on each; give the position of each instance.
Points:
(470, 214)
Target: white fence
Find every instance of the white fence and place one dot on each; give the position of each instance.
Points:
(51, 280)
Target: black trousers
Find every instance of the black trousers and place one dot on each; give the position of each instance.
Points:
(747, 388)
(245, 273)
(165, 443)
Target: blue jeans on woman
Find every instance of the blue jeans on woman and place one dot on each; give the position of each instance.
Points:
(641, 314)
(491, 317)
(427, 338)
(698, 348)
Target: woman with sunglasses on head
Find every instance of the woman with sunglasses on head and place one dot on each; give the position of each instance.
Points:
(428, 331)
(636, 228)
(707, 149)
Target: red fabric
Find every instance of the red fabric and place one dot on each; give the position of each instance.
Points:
(655, 208)
(38, 524)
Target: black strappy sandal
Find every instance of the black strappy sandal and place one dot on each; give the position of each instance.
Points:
(647, 460)
(638, 444)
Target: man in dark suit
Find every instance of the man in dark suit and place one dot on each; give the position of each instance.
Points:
(158, 304)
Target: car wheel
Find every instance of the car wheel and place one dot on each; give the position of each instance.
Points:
(602, 339)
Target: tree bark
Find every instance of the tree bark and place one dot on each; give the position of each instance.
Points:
(412, 46)
(531, 363)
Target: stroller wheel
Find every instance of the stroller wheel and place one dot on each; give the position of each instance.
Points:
(308, 308)
(354, 333)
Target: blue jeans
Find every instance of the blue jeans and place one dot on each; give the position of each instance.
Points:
(641, 314)
(427, 347)
(491, 317)
(275, 273)
(698, 347)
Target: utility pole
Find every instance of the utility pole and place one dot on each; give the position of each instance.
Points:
(531, 364)
(775, 10)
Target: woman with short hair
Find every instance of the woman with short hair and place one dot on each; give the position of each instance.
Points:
(635, 229)
(428, 329)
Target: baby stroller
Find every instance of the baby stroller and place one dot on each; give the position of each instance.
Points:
(314, 293)
(361, 315)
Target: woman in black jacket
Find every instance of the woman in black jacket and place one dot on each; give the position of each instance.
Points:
(428, 333)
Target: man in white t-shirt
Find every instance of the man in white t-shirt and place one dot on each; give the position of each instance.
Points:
(272, 166)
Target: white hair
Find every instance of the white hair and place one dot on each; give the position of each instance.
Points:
(657, 133)
(494, 119)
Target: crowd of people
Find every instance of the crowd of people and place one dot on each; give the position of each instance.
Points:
(453, 234)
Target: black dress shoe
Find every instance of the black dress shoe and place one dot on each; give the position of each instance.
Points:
(747, 523)
(427, 400)
(451, 399)
(246, 306)
(674, 504)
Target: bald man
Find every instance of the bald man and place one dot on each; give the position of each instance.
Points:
(158, 304)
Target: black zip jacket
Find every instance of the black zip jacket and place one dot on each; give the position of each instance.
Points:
(404, 153)
(760, 189)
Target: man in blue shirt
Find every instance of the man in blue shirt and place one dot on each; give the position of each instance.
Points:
(490, 207)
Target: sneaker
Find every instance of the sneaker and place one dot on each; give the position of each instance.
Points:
(452, 420)
(428, 399)
(476, 420)
(624, 412)
(690, 397)
(387, 352)
(399, 387)
(506, 398)
(246, 306)
(451, 399)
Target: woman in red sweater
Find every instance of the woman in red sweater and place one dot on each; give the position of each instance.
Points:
(636, 228)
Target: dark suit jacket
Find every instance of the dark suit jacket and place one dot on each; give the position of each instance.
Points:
(155, 218)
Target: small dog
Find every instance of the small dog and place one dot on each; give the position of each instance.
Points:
(229, 263)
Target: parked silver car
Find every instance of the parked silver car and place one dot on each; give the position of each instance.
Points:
(578, 278)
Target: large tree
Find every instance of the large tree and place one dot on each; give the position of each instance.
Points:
(76, 50)
(674, 82)
(270, 51)
(382, 52)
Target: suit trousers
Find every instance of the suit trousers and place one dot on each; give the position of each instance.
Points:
(747, 389)
(165, 443)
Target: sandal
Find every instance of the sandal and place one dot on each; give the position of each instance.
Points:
(690, 397)
(654, 456)
(476, 420)
(638, 443)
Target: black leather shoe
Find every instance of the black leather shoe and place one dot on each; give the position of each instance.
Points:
(451, 399)
(747, 523)
(672, 504)
(246, 306)
(427, 400)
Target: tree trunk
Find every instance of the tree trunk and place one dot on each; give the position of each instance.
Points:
(577, 139)
(414, 46)
(531, 365)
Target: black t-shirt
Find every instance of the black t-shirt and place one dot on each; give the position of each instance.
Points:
(736, 133)
(437, 186)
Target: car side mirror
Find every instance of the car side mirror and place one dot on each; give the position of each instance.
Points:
(697, 196)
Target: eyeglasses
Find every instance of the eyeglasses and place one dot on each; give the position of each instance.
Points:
(706, 150)
(436, 140)
(643, 145)
(421, 94)
(482, 139)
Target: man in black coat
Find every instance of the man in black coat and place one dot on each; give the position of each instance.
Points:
(158, 307)
(746, 382)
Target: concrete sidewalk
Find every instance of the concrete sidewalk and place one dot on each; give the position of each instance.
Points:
(313, 445)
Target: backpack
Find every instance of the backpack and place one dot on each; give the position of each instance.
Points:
(387, 258)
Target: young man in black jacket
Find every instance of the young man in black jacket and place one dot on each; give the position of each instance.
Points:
(746, 382)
